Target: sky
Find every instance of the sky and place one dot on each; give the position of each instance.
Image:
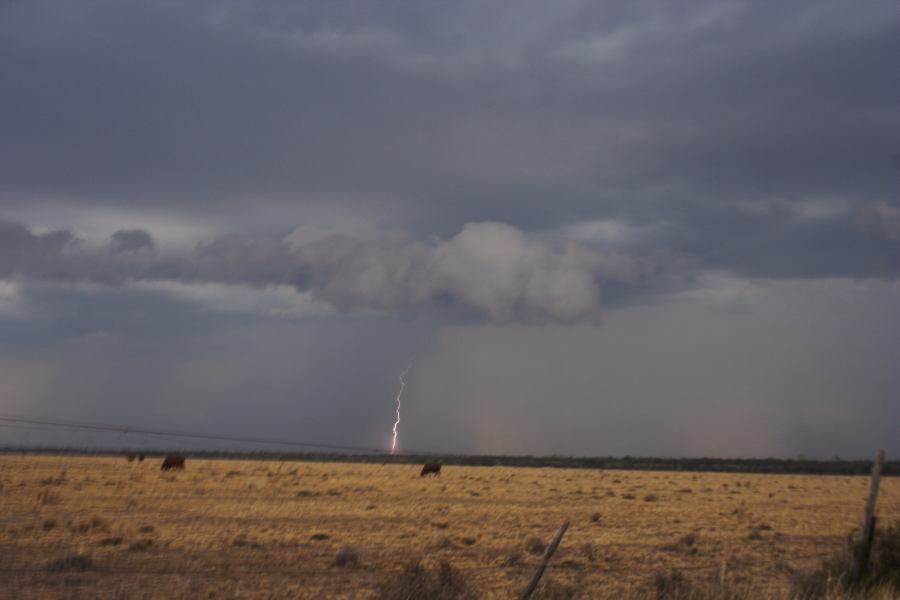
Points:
(617, 228)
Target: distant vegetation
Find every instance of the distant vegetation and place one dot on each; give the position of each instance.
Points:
(787, 466)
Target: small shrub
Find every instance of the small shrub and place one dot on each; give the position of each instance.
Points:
(535, 545)
(110, 541)
(445, 543)
(416, 581)
(348, 556)
(48, 524)
(669, 585)
(146, 529)
(885, 564)
(834, 574)
(689, 539)
(140, 545)
(808, 586)
(95, 524)
(650, 498)
(320, 537)
(468, 541)
(595, 518)
(553, 590)
(675, 586)
(73, 562)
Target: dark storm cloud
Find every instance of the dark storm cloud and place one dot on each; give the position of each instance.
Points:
(437, 115)
(23, 251)
(184, 184)
(131, 240)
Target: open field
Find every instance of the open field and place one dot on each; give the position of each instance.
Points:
(253, 529)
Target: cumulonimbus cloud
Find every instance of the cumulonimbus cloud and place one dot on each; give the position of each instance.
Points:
(491, 269)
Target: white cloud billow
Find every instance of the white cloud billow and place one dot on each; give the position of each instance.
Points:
(490, 269)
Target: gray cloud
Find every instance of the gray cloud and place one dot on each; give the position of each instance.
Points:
(131, 240)
(491, 269)
(881, 219)
(21, 251)
(730, 368)
(468, 170)
(648, 113)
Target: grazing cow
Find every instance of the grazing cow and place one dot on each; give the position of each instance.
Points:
(173, 461)
(431, 469)
(129, 457)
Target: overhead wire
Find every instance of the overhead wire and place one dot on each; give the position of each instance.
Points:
(124, 429)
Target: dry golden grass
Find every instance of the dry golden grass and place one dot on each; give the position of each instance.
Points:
(105, 528)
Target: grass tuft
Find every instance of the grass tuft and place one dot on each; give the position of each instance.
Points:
(417, 581)
(535, 545)
(73, 562)
(551, 589)
(348, 556)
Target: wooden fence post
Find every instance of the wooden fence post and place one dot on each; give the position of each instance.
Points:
(863, 547)
(532, 585)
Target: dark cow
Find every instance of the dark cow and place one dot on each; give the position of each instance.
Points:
(431, 469)
(141, 457)
(173, 461)
(129, 457)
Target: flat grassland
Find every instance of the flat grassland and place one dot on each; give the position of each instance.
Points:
(83, 527)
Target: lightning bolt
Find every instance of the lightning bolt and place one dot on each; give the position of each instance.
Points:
(399, 394)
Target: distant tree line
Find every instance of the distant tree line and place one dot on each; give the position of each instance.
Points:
(787, 466)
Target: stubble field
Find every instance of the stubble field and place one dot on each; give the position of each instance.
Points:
(82, 527)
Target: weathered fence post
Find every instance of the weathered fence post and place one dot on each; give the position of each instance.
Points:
(532, 585)
(863, 547)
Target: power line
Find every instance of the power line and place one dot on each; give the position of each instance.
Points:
(184, 434)
(21, 427)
